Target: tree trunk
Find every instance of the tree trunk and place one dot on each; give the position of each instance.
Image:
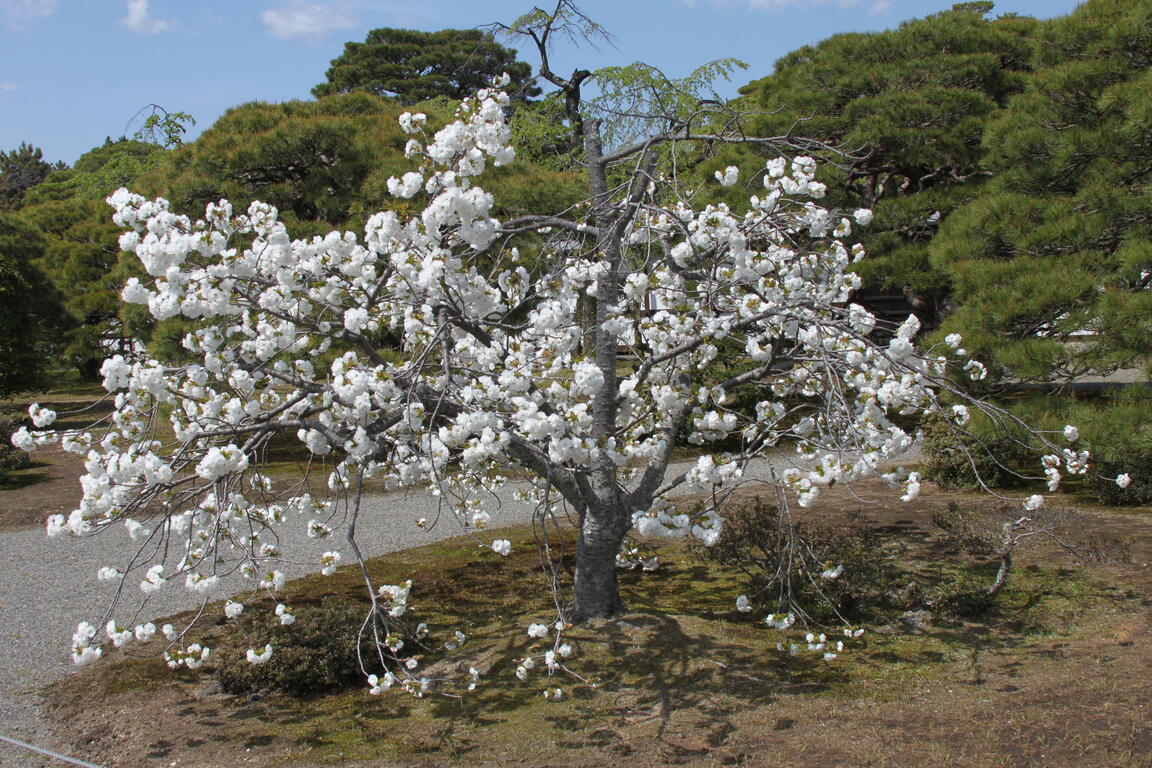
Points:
(586, 307)
(596, 592)
(605, 520)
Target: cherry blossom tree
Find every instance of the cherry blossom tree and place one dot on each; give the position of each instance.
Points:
(583, 370)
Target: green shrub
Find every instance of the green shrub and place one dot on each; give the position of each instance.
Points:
(316, 654)
(966, 596)
(1115, 428)
(968, 459)
(1118, 432)
(11, 457)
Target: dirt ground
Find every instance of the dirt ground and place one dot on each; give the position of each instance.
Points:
(1082, 703)
(1072, 692)
(50, 485)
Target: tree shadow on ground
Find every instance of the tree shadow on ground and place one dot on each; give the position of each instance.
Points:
(667, 676)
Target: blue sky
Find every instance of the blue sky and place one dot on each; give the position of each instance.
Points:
(75, 71)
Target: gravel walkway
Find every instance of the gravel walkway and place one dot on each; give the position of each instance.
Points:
(50, 586)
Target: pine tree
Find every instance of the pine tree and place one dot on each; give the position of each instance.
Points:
(412, 66)
(910, 106)
(30, 316)
(322, 163)
(20, 170)
(1052, 263)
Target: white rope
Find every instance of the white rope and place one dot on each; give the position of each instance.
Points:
(47, 752)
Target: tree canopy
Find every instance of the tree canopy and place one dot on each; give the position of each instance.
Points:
(1051, 263)
(910, 106)
(20, 170)
(98, 172)
(312, 160)
(410, 66)
(81, 257)
(322, 163)
(80, 253)
(29, 314)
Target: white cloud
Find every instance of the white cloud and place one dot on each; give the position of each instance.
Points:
(6, 87)
(20, 13)
(140, 20)
(307, 22)
(880, 6)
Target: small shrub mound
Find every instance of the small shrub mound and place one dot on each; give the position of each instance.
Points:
(824, 571)
(11, 457)
(1115, 428)
(314, 655)
(997, 533)
(968, 460)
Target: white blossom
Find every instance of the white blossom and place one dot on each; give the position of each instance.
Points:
(728, 176)
(41, 417)
(255, 657)
(832, 573)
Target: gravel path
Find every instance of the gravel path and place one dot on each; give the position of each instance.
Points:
(50, 586)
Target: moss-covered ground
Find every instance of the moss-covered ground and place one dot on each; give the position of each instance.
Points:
(1054, 671)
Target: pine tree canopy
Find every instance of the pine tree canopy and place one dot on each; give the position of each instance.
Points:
(410, 66)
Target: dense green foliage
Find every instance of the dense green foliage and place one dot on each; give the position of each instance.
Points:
(910, 105)
(312, 160)
(412, 66)
(1115, 427)
(81, 253)
(20, 170)
(1119, 433)
(326, 164)
(81, 257)
(98, 172)
(30, 316)
(1052, 262)
(983, 455)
